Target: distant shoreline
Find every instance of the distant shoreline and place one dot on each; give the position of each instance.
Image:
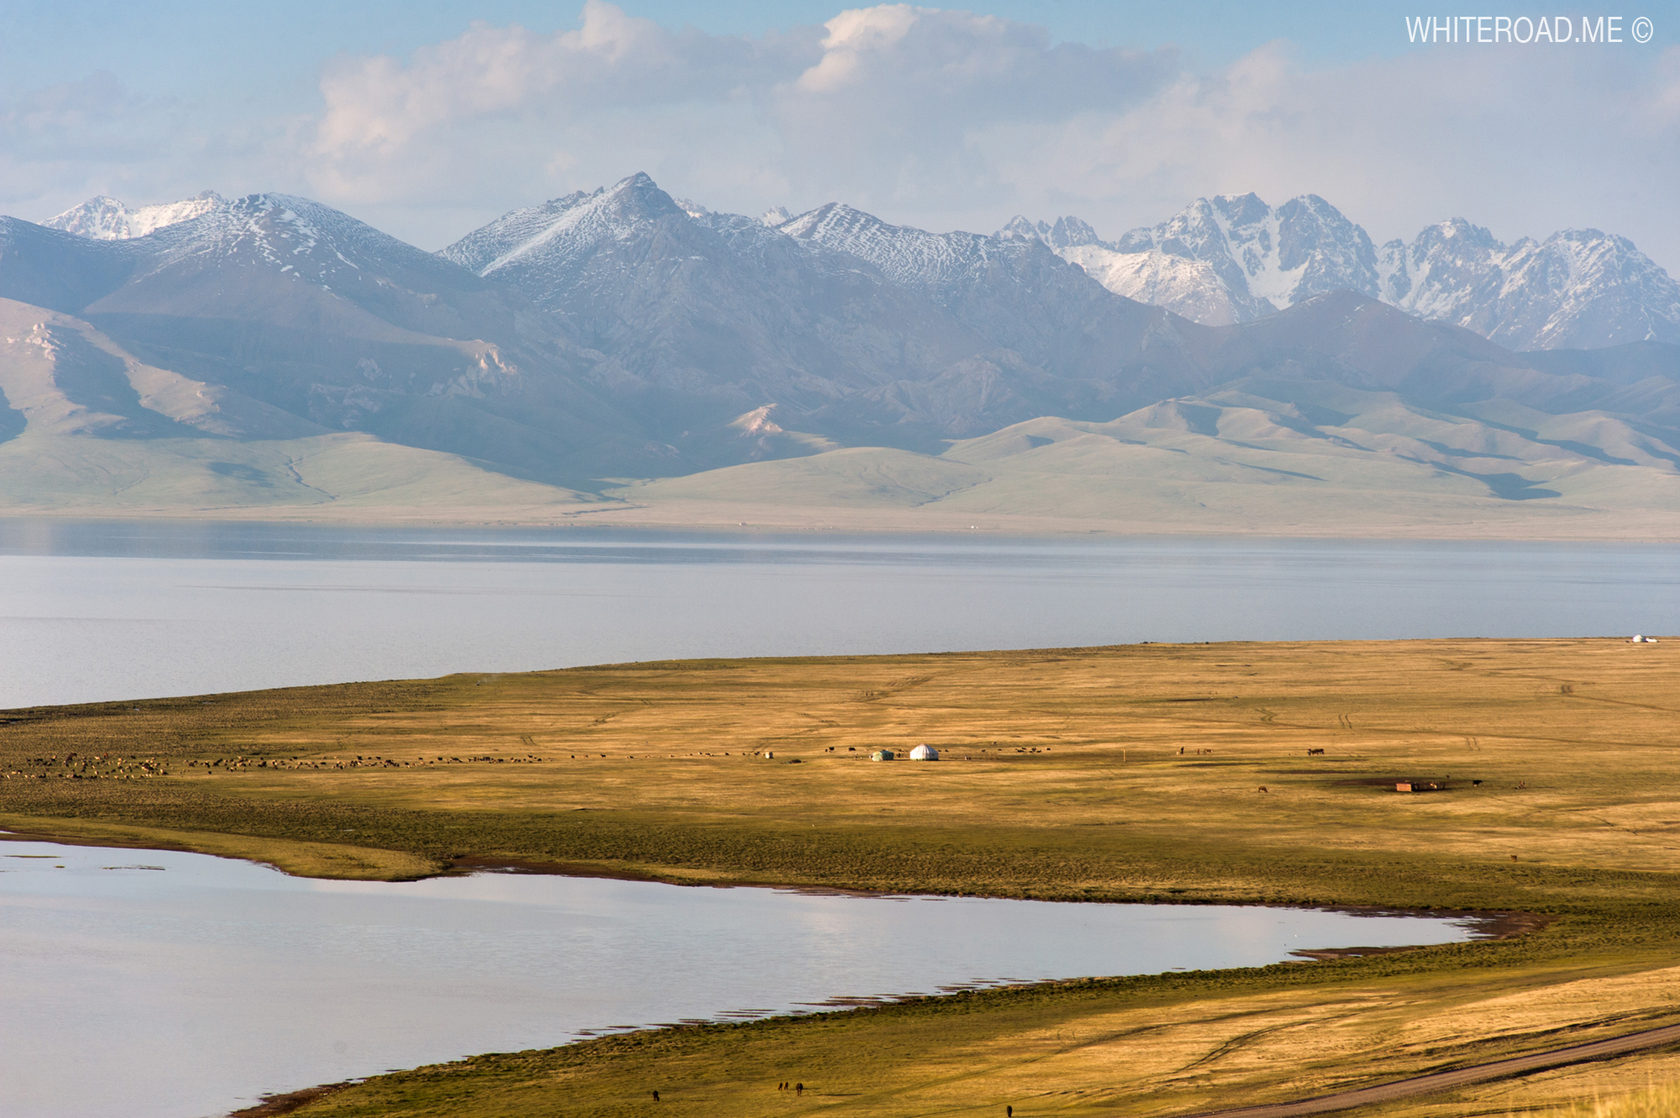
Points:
(720, 520)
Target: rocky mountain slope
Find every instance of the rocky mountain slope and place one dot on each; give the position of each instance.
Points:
(702, 317)
(1233, 258)
(334, 326)
(1577, 289)
(271, 349)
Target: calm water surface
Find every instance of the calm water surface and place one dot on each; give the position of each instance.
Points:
(148, 983)
(111, 611)
(127, 989)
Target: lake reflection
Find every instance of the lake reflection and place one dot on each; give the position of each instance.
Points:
(148, 983)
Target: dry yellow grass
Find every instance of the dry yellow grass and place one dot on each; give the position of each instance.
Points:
(1650, 1102)
(1119, 773)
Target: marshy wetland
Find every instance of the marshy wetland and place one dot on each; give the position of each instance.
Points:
(1131, 773)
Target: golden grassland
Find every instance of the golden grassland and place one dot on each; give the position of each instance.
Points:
(1132, 773)
(1652, 1102)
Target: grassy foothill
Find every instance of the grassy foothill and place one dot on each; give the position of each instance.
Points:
(1222, 772)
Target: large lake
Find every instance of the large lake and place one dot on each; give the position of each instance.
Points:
(116, 611)
(150, 984)
(183, 990)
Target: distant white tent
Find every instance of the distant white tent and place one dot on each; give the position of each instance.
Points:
(924, 753)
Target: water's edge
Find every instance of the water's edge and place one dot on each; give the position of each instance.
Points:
(1480, 926)
(1489, 925)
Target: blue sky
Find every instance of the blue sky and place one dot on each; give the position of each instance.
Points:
(428, 118)
(185, 46)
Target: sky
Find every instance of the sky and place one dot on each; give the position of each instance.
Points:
(429, 118)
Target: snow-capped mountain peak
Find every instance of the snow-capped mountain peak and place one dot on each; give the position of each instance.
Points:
(1233, 258)
(105, 218)
(561, 228)
(1267, 256)
(1187, 265)
(1066, 232)
(1578, 288)
(254, 243)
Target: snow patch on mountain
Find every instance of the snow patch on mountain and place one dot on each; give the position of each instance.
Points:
(106, 219)
(1577, 289)
(1067, 232)
(1303, 248)
(560, 233)
(1233, 258)
(478, 249)
(275, 229)
(1187, 287)
(245, 244)
(904, 255)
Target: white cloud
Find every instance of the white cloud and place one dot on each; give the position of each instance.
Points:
(894, 114)
(507, 108)
(853, 36)
(941, 118)
(62, 144)
(1524, 143)
(879, 106)
(379, 106)
(93, 117)
(1521, 141)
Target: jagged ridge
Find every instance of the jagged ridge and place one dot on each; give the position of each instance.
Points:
(1233, 258)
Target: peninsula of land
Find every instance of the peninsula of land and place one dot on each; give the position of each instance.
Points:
(1543, 778)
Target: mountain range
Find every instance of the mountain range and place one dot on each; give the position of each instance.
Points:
(1233, 258)
(623, 355)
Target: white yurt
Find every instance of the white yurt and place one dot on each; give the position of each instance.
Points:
(924, 753)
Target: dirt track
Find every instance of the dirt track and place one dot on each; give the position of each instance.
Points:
(1458, 1077)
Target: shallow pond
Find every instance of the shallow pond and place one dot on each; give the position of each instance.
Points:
(143, 983)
